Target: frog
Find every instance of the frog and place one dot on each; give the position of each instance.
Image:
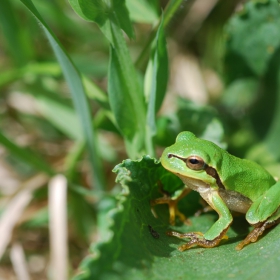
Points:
(228, 184)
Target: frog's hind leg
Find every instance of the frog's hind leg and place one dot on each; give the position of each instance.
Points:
(256, 232)
(172, 204)
(264, 213)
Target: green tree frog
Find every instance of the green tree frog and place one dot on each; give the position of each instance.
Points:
(226, 183)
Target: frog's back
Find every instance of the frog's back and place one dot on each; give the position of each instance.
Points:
(245, 176)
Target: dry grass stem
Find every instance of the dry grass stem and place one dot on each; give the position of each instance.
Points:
(58, 227)
(18, 260)
(15, 207)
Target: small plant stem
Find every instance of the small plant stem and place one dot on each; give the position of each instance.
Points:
(169, 11)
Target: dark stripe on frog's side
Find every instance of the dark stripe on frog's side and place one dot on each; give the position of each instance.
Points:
(234, 200)
(213, 173)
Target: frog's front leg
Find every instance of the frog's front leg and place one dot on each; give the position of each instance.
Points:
(172, 204)
(216, 233)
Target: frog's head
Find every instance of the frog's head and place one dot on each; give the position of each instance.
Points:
(191, 157)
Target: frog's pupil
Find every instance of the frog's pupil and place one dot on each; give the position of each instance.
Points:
(194, 161)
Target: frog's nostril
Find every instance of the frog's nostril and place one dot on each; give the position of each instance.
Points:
(169, 155)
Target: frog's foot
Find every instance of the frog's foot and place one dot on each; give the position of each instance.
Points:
(173, 209)
(172, 204)
(255, 233)
(197, 239)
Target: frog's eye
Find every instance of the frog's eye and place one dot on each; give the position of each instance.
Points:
(195, 163)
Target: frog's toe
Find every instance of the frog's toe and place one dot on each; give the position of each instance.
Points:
(255, 233)
(197, 239)
(202, 242)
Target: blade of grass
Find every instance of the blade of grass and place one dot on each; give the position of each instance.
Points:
(72, 158)
(169, 12)
(95, 93)
(52, 69)
(77, 91)
(26, 155)
(13, 33)
(43, 68)
(64, 115)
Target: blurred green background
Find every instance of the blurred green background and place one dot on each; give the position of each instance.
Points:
(139, 73)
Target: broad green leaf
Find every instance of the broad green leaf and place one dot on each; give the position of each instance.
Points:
(101, 12)
(203, 121)
(96, 11)
(125, 95)
(240, 95)
(120, 98)
(137, 247)
(214, 132)
(272, 139)
(271, 92)
(254, 35)
(252, 64)
(26, 155)
(267, 124)
(81, 105)
(143, 10)
(122, 14)
(156, 78)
